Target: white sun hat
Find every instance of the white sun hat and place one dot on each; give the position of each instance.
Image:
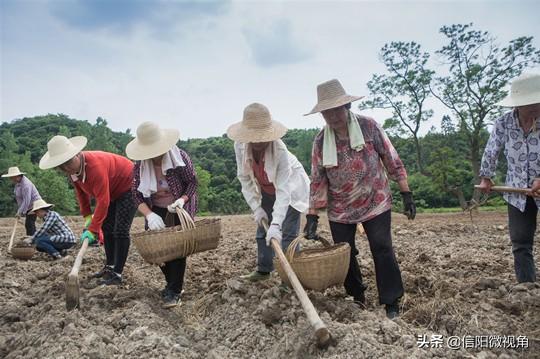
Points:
(151, 141)
(331, 94)
(525, 90)
(13, 171)
(40, 204)
(256, 126)
(60, 150)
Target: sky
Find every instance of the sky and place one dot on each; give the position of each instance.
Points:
(195, 66)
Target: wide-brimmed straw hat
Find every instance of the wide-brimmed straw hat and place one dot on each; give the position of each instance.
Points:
(331, 94)
(151, 141)
(256, 126)
(60, 150)
(40, 204)
(525, 90)
(13, 172)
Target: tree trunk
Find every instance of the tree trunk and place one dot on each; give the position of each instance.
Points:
(419, 156)
(475, 163)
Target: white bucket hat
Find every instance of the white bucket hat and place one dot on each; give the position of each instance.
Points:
(13, 171)
(331, 94)
(151, 141)
(60, 150)
(525, 90)
(40, 204)
(256, 126)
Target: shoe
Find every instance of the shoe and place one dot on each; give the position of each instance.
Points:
(256, 276)
(111, 278)
(171, 299)
(164, 292)
(360, 300)
(106, 269)
(392, 310)
(56, 256)
(64, 252)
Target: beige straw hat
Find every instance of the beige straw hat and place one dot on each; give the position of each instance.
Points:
(13, 171)
(256, 126)
(330, 94)
(60, 150)
(40, 204)
(151, 141)
(525, 90)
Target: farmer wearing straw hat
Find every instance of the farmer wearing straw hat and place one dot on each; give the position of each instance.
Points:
(274, 183)
(164, 179)
(106, 178)
(348, 178)
(25, 194)
(54, 237)
(518, 133)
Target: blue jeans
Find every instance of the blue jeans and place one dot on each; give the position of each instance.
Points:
(290, 229)
(44, 244)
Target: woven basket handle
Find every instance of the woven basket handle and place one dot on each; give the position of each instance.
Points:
(292, 249)
(185, 219)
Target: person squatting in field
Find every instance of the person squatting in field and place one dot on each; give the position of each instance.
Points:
(54, 237)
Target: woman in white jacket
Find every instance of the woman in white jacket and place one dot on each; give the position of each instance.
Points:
(274, 183)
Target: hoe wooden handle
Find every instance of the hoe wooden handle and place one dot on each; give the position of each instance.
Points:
(507, 189)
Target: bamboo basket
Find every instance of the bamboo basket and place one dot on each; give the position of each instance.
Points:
(317, 268)
(158, 247)
(24, 253)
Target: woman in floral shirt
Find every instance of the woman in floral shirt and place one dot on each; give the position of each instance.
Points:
(518, 132)
(348, 178)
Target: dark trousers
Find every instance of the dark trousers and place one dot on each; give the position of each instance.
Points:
(522, 226)
(387, 273)
(30, 224)
(116, 231)
(173, 270)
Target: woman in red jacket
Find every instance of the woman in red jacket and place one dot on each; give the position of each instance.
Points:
(164, 179)
(106, 178)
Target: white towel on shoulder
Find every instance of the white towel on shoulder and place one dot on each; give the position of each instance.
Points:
(356, 139)
(148, 180)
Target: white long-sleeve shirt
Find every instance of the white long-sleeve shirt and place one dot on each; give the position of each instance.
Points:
(284, 171)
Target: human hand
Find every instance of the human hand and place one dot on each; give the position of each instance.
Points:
(179, 203)
(259, 215)
(273, 232)
(155, 222)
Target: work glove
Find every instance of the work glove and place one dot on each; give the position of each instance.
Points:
(409, 208)
(91, 237)
(179, 203)
(310, 229)
(273, 232)
(155, 222)
(259, 215)
(87, 221)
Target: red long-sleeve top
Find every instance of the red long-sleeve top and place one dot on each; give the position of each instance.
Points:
(106, 177)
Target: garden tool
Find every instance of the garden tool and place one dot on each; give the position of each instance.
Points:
(321, 331)
(72, 283)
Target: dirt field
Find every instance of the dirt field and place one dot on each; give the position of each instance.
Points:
(459, 283)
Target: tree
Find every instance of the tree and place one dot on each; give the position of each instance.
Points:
(404, 90)
(478, 70)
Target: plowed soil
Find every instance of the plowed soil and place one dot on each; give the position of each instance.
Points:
(458, 275)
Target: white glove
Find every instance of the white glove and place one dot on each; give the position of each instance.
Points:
(273, 232)
(155, 222)
(258, 215)
(179, 203)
